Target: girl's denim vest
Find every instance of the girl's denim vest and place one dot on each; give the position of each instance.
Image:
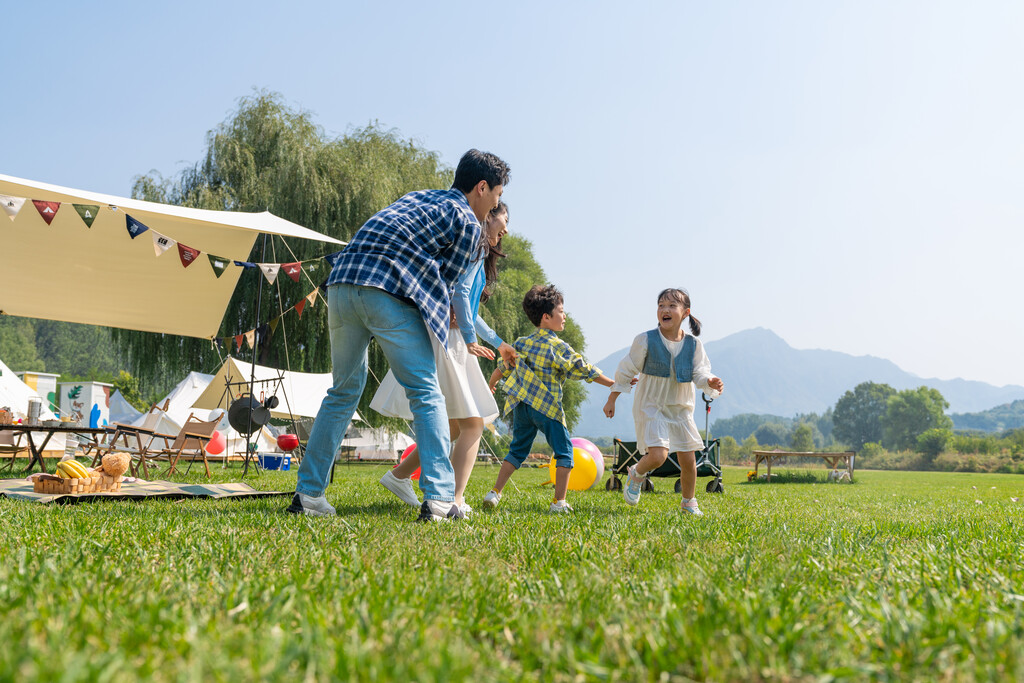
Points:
(658, 362)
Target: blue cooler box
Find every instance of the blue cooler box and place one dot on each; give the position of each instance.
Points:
(275, 461)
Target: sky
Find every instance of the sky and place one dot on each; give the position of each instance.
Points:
(846, 174)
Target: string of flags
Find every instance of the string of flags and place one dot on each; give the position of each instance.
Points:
(262, 333)
(161, 243)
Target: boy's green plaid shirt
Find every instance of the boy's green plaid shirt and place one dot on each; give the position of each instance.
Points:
(544, 363)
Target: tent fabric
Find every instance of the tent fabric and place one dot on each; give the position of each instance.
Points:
(301, 393)
(15, 394)
(376, 444)
(121, 411)
(100, 275)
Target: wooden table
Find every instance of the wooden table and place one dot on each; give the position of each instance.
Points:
(844, 458)
(37, 451)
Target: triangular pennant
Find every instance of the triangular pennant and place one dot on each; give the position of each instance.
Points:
(219, 265)
(273, 325)
(333, 258)
(135, 228)
(188, 255)
(292, 270)
(250, 338)
(88, 212)
(47, 209)
(270, 270)
(238, 340)
(11, 205)
(227, 342)
(161, 243)
(312, 266)
(299, 307)
(245, 264)
(312, 298)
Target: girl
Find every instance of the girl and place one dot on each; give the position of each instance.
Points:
(470, 402)
(669, 363)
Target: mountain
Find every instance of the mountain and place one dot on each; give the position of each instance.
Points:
(765, 375)
(998, 419)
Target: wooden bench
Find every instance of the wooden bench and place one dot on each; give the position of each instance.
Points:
(834, 460)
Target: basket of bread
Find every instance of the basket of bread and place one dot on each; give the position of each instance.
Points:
(74, 477)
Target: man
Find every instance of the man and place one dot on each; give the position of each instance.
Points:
(392, 284)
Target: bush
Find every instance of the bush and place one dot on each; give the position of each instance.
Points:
(932, 442)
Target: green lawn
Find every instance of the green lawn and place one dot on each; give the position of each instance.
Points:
(900, 576)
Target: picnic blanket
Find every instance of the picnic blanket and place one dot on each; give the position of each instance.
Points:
(20, 489)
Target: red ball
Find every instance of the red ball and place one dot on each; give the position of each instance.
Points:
(217, 443)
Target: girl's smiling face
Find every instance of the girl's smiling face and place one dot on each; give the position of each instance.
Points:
(495, 228)
(671, 314)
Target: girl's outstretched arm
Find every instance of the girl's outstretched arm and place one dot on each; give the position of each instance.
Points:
(609, 406)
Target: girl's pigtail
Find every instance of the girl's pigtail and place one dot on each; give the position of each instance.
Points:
(694, 326)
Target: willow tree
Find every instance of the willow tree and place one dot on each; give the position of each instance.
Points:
(268, 156)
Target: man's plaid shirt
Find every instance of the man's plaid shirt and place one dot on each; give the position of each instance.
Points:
(545, 363)
(415, 249)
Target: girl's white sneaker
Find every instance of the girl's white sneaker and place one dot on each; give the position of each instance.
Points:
(690, 507)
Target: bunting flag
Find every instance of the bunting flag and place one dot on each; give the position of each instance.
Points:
(245, 264)
(161, 243)
(311, 298)
(273, 325)
(135, 228)
(250, 338)
(188, 255)
(299, 307)
(219, 265)
(238, 340)
(47, 209)
(270, 270)
(292, 270)
(227, 342)
(11, 205)
(313, 265)
(333, 258)
(88, 212)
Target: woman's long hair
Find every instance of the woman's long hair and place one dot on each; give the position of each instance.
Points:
(493, 254)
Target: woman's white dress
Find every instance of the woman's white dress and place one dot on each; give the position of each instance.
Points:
(462, 384)
(663, 407)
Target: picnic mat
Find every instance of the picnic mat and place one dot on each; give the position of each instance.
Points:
(20, 489)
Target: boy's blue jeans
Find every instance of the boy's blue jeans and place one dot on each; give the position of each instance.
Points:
(525, 423)
(355, 315)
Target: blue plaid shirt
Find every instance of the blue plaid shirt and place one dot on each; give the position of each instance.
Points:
(415, 249)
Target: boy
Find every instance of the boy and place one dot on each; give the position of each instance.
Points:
(534, 391)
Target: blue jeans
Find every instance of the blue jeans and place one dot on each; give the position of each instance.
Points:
(355, 315)
(525, 423)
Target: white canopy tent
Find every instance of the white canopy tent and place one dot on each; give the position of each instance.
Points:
(376, 444)
(15, 394)
(101, 275)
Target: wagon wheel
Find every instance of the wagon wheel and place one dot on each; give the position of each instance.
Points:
(715, 486)
(648, 487)
(679, 487)
(613, 484)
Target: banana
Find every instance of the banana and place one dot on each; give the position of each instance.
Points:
(73, 469)
(61, 473)
(79, 469)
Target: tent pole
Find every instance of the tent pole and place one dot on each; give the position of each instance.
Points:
(252, 377)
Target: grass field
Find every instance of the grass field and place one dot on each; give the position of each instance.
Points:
(900, 576)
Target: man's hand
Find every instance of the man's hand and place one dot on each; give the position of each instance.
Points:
(478, 350)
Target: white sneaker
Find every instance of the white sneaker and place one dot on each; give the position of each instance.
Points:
(690, 507)
(492, 499)
(400, 487)
(560, 506)
(634, 482)
(308, 505)
(439, 511)
(466, 510)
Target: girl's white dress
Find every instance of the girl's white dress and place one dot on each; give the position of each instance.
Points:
(462, 384)
(663, 407)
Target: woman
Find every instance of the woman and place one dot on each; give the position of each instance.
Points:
(470, 403)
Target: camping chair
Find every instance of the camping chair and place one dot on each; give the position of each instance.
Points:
(190, 442)
(137, 440)
(10, 444)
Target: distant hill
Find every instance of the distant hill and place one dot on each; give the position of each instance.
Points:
(998, 419)
(765, 375)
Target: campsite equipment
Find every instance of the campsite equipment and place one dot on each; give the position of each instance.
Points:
(274, 461)
(288, 442)
(247, 415)
(34, 407)
(708, 461)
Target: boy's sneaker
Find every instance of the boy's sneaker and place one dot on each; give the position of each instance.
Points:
(492, 499)
(560, 506)
(308, 505)
(634, 482)
(466, 510)
(690, 507)
(439, 511)
(400, 487)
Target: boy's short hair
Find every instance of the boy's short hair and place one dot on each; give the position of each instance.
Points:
(475, 166)
(539, 300)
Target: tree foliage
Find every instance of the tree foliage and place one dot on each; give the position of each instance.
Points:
(268, 156)
(802, 438)
(858, 415)
(911, 413)
(18, 344)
